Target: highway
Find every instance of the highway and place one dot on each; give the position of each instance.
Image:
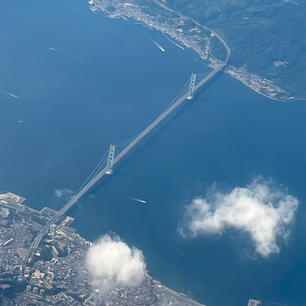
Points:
(134, 142)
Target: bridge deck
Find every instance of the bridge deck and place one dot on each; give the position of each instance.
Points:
(132, 144)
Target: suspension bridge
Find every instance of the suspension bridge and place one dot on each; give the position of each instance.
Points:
(109, 160)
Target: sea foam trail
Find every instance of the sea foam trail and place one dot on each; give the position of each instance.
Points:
(9, 94)
(158, 46)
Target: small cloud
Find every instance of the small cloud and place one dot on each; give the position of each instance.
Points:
(261, 209)
(59, 193)
(111, 263)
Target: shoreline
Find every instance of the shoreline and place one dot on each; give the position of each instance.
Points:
(137, 16)
(12, 205)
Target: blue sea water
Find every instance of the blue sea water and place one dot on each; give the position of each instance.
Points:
(104, 83)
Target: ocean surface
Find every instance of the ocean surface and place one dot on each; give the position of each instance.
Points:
(83, 82)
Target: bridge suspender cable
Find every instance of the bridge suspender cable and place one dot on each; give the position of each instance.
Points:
(113, 160)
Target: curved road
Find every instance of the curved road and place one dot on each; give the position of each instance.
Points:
(228, 50)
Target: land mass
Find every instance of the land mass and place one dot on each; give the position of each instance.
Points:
(267, 40)
(56, 274)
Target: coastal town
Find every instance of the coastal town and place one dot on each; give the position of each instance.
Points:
(187, 33)
(56, 274)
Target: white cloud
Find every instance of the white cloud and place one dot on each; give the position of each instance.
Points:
(260, 209)
(111, 263)
(62, 192)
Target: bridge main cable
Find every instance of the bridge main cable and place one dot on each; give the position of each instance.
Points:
(56, 217)
(134, 142)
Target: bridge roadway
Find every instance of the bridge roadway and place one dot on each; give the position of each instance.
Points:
(133, 143)
(55, 218)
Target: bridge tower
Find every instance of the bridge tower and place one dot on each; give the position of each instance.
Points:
(110, 160)
(191, 86)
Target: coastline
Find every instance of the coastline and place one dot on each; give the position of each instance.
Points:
(132, 11)
(40, 288)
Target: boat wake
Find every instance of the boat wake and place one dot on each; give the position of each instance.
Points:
(158, 46)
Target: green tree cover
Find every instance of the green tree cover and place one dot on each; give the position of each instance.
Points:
(260, 34)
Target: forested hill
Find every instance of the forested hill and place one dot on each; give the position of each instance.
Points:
(266, 37)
